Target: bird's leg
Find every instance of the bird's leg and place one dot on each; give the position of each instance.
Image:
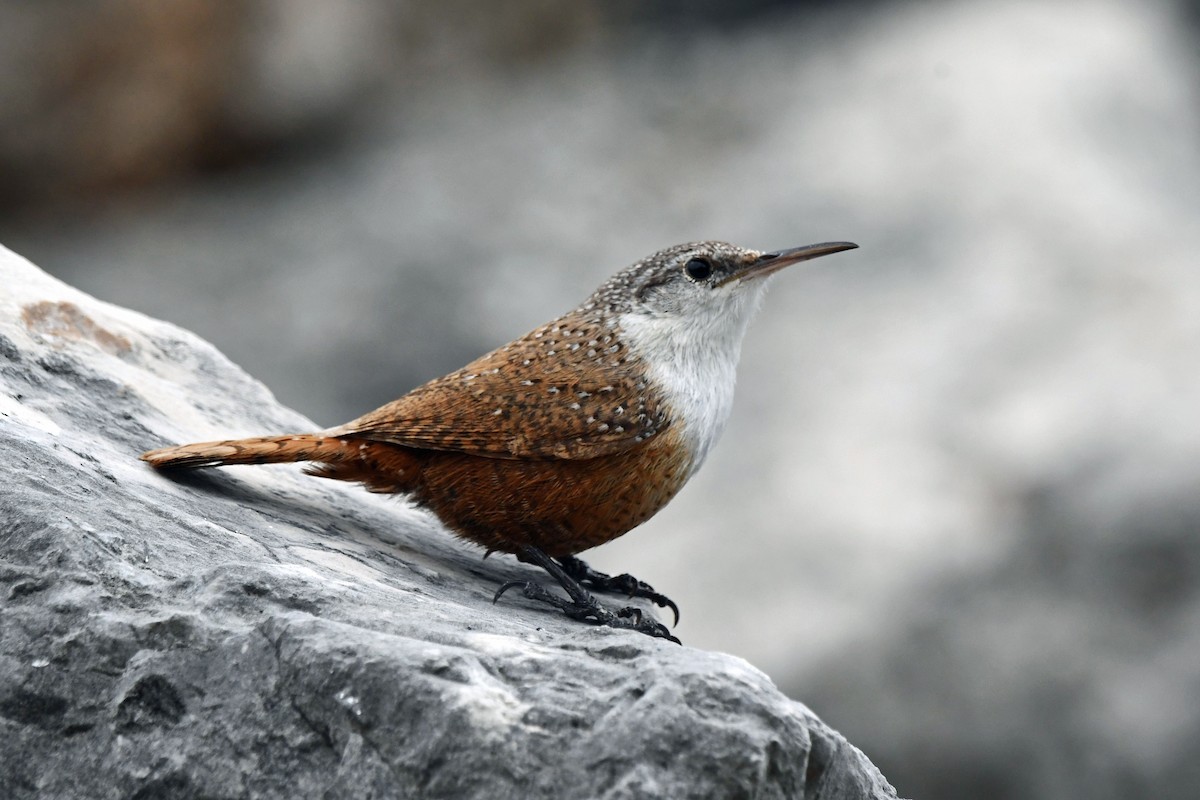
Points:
(622, 584)
(582, 606)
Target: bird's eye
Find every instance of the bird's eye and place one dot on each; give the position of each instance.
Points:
(698, 269)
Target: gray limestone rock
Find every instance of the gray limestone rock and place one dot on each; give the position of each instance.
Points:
(254, 632)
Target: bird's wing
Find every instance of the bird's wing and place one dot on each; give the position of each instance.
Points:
(534, 399)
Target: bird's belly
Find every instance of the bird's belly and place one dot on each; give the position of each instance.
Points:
(560, 506)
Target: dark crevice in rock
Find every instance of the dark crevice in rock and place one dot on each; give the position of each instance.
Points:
(33, 708)
(153, 701)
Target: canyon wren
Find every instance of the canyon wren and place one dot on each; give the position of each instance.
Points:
(567, 437)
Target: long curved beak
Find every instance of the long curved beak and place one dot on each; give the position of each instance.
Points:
(769, 263)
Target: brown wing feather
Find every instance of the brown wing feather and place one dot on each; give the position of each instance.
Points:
(568, 390)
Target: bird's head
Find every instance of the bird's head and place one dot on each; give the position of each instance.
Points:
(708, 283)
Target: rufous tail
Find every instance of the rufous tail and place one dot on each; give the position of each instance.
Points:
(259, 450)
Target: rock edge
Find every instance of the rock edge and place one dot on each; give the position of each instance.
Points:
(257, 633)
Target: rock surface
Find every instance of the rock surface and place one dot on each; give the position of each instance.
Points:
(259, 633)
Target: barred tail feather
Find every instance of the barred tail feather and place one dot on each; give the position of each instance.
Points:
(259, 450)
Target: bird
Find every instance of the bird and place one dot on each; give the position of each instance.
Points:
(567, 437)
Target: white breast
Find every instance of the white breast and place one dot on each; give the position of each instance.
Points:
(693, 360)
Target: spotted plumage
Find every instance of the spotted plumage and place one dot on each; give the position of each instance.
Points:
(567, 437)
(567, 390)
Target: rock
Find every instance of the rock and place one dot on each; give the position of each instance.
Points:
(258, 633)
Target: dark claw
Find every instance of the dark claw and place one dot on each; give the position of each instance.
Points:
(582, 606)
(505, 588)
(591, 611)
(622, 584)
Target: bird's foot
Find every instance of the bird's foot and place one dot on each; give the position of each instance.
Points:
(624, 584)
(590, 610)
(582, 606)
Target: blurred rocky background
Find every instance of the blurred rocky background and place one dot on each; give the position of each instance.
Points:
(957, 510)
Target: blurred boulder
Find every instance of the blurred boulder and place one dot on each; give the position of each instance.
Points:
(97, 98)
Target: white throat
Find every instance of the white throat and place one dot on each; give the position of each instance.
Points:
(693, 359)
